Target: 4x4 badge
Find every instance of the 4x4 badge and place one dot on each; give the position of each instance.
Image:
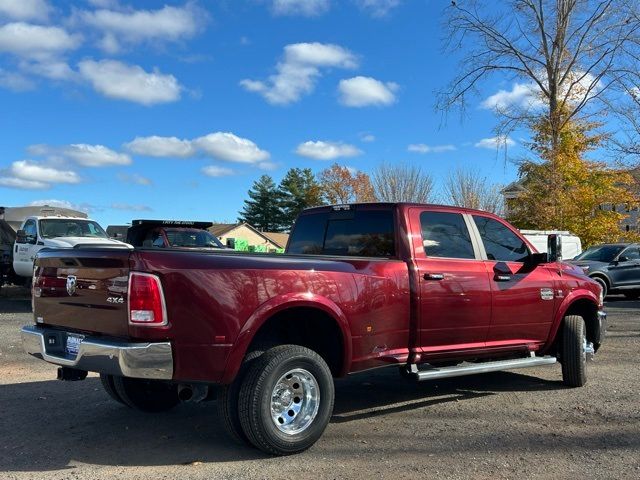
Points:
(72, 283)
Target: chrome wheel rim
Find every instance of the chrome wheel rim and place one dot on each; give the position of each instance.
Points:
(587, 349)
(295, 401)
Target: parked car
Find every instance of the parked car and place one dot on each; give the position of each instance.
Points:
(615, 266)
(435, 291)
(571, 246)
(38, 232)
(172, 234)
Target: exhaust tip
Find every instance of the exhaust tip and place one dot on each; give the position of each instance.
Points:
(185, 393)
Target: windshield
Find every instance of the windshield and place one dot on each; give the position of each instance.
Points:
(192, 238)
(58, 227)
(603, 253)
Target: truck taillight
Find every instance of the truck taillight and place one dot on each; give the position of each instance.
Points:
(146, 300)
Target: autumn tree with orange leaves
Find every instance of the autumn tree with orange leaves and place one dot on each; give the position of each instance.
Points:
(343, 185)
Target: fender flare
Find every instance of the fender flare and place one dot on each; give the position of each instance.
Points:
(580, 294)
(279, 304)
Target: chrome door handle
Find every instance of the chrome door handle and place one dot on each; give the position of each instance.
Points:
(502, 278)
(433, 276)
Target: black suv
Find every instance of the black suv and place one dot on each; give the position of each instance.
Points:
(615, 266)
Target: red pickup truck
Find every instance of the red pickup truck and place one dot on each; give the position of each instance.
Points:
(434, 290)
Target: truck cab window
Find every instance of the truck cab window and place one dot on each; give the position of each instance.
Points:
(445, 235)
(500, 243)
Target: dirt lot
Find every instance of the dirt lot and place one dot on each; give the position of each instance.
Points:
(502, 425)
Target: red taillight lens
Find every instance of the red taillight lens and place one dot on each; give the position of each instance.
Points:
(146, 300)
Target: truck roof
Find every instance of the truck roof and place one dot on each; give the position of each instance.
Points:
(346, 206)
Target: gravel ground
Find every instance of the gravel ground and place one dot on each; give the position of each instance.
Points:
(501, 425)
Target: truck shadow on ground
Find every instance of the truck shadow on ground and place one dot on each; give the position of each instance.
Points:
(15, 305)
(51, 425)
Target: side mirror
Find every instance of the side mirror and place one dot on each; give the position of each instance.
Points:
(21, 237)
(622, 258)
(554, 248)
(538, 258)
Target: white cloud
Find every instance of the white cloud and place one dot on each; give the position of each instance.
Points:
(135, 26)
(155, 146)
(52, 202)
(31, 175)
(15, 81)
(493, 143)
(364, 91)
(230, 147)
(299, 71)
(367, 138)
(322, 150)
(49, 68)
(134, 178)
(521, 95)
(423, 148)
(377, 8)
(95, 155)
(215, 171)
(25, 9)
(13, 182)
(132, 208)
(130, 82)
(82, 154)
(219, 145)
(36, 41)
(305, 8)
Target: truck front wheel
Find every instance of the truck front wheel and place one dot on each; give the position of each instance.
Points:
(286, 400)
(146, 395)
(574, 351)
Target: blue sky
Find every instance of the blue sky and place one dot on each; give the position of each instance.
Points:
(173, 109)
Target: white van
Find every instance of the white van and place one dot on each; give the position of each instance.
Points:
(571, 244)
(38, 232)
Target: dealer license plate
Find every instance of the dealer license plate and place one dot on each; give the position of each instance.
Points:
(73, 343)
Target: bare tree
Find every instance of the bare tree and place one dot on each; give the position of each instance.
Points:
(402, 183)
(467, 188)
(569, 54)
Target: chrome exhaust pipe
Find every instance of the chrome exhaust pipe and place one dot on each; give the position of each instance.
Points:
(192, 393)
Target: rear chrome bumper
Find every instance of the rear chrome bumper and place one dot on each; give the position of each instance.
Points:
(137, 360)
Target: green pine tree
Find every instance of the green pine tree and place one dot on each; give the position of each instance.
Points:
(263, 208)
(299, 190)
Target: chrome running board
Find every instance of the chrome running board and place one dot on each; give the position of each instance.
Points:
(484, 367)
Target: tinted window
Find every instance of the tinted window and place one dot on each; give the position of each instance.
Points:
(445, 235)
(603, 253)
(631, 253)
(192, 238)
(500, 243)
(365, 233)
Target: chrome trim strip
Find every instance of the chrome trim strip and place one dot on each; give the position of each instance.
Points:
(137, 360)
(485, 367)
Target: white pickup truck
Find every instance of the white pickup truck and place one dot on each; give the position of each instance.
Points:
(38, 232)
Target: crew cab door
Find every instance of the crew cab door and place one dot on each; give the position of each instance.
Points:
(523, 294)
(625, 270)
(25, 251)
(455, 295)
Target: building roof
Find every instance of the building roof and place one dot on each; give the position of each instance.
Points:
(219, 229)
(279, 239)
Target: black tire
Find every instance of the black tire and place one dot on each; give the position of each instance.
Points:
(574, 358)
(632, 294)
(146, 395)
(109, 387)
(256, 398)
(227, 401)
(603, 284)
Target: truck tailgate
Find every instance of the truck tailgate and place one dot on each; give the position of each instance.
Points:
(83, 289)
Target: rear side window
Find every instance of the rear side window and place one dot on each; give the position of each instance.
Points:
(445, 235)
(500, 243)
(364, 233)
